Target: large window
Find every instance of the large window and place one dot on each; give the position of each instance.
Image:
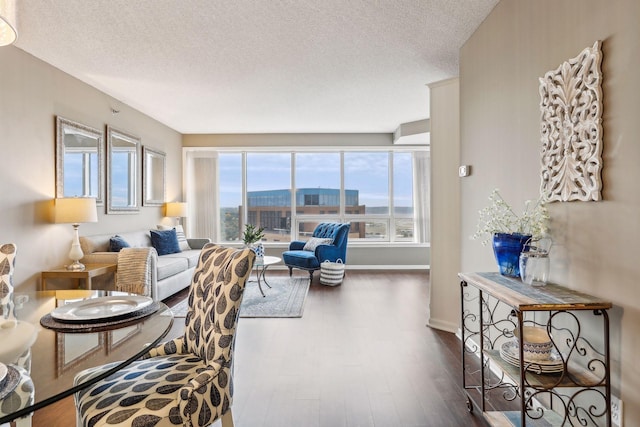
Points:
(268, 193)
(403, 197)
(289, 193)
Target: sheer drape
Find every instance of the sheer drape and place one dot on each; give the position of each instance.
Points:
(422, 196)
(201, 194)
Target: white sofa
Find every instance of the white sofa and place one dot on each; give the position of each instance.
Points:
(169, 273)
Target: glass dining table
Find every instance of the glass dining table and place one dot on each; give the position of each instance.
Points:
(53, 357)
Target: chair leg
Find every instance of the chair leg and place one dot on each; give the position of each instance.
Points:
(290, 271)
(227, 419)
(311, 275)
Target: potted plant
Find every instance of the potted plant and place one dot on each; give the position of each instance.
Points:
(251, 238)
(509, 232)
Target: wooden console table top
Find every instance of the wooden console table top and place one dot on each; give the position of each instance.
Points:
(533, 298)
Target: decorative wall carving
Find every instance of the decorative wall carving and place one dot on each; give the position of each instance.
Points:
(571, 128)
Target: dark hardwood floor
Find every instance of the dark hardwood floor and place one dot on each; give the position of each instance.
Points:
(360, 356)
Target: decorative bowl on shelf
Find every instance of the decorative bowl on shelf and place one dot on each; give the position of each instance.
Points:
(536, 343)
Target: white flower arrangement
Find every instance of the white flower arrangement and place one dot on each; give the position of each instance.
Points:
(499, 217)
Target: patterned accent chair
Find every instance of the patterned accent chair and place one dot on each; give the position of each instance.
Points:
(186, 381)
(310, 260)
(23, 394)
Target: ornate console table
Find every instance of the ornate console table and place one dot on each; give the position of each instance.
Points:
(571, 387)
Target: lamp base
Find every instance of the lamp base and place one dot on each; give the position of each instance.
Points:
(75, 266)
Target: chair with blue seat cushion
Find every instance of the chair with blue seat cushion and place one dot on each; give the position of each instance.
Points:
(305, 256)
(187, 381)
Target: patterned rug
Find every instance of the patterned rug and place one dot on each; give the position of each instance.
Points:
(285, 298)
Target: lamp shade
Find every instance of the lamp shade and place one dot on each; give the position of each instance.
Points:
(8, 32)
(75, 210)
(176, 209)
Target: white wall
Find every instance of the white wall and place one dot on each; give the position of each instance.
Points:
(32, 93)
(595, 243)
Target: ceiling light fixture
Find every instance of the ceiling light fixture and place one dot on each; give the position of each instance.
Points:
(8, 31)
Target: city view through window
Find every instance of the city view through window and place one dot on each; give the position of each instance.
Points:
(371, 190)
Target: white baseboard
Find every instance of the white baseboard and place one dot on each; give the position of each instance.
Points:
(387, 267)
(370, 267)
(443, 326)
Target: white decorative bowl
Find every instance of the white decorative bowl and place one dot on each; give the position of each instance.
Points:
(536, 343)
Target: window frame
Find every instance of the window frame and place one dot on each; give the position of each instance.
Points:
(390, 218)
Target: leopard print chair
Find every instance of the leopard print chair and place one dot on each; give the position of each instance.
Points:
(186, 381)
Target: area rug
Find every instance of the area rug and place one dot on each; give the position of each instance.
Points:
(285, 298)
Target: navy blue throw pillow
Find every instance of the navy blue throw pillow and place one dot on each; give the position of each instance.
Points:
(165, 241)
(117, 243)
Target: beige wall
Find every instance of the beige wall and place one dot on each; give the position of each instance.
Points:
(32, 93)
(595, 247)
(444, 302)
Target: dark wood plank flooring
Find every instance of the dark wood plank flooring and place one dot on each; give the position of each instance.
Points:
(360, 356)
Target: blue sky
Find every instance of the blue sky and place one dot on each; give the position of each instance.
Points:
(366, 172)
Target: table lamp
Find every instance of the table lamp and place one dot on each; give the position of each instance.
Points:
(8, 32)
(177, 210)
(75, 210)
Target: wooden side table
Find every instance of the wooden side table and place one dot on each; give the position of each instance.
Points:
(90, 271)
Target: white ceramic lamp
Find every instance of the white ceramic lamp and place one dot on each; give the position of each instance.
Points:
(176, 209)
(8, 32)
(75, 210)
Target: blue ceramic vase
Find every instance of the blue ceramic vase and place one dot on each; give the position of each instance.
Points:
(507, 248)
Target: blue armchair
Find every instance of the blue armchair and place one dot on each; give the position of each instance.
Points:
(310, 260)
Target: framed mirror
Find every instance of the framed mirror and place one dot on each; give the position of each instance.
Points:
(153, 177)
(123, 157)
(79, 160)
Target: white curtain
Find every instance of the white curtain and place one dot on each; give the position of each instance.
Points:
(201, 198)
(422, 195)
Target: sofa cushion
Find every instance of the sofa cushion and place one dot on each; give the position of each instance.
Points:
(301, 259)
(191, 256)
(168, 266)
(165, 241)
(117, 243)
(101, 242)
(182, 238)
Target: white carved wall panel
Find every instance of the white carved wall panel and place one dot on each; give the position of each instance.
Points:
(571, 128)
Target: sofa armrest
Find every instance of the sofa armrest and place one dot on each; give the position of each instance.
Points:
(296, 245)
(100, 258)
(198, 243)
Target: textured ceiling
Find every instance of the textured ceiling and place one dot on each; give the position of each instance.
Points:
(261, 66)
